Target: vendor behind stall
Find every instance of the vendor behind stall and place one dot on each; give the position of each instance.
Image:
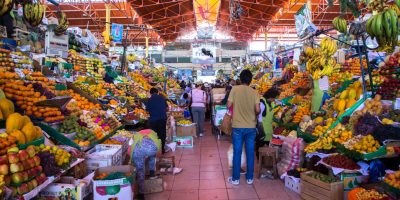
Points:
(106, 77)
(145, 145)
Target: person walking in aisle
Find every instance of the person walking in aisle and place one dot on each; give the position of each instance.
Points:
(198, 105)
(246, 107)
(157, 107)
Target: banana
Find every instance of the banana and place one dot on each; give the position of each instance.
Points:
(6, 7)
(387, 24)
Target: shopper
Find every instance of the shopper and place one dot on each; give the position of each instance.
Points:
(246, 107)
(157, 107)
(198, 105)
(265, 118)
(145, 145)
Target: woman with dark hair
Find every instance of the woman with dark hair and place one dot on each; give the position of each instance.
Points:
(265, 117)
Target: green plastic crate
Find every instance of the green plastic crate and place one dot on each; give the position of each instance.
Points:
(381, 152)
(36, 142)
(308, 138)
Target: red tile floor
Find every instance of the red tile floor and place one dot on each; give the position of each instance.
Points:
(204, 175)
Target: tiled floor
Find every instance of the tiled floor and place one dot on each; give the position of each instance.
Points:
(205, 171)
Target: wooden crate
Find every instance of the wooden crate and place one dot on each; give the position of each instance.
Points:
(312, 188)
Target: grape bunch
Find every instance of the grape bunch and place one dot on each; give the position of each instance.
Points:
(48, 162)
(366, 125)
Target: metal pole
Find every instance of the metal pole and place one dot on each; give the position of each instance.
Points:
(369, 68)
(123, 60)
(360, 55)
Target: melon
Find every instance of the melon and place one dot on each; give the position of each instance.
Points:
(14, 122)
(343, 95)
(341, 105)
(6, 107)
(352, 94)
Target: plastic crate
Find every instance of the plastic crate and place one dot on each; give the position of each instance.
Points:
(103, 156)
(293, 184)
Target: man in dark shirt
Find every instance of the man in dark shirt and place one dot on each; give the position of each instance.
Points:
(157, 107)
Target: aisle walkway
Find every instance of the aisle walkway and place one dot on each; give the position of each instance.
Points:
(205, 171)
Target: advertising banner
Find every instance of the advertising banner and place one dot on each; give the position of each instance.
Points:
(203, 54)
(117, 31)
(303, 20)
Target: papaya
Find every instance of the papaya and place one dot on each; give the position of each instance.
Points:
(343, 95)
(335, 104)
(14, 122)
(357, 84)
(25, 120)
(29, 132)
(38, 132)
(1, 115)
(350, 103)
(19, 136)
(6, 107)
(341, 105)
(318, 120)
(352, 94)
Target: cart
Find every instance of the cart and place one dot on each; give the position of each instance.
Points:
(217, 110)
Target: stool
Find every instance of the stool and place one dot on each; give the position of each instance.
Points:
(267, 153)
(166, 162)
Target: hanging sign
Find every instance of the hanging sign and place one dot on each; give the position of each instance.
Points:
(204, 53)
(117, 31)
(304, 25)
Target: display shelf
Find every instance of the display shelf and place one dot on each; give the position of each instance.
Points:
(32, 194)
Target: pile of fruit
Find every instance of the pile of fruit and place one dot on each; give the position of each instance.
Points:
(62, 157)
(141, 113)
(341, 161)
(184, 122)
(301, 112)
(362, 144)
(353, 66)
(338, 134)
(322, 177)
(21, 128)
(364, 194)
(348, 97)
(24, 169)
(112, 141)
(393, 179)
(69, 125)
(6, 62)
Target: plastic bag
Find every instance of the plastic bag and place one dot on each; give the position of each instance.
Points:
(230, 157)
(293, 150)
(377, 170)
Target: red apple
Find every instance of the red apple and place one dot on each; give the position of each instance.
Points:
(23, 155)
(25, 176)
(16, 167)
(37, 160)
(30, 185)
(4, 169)
(32, 162)
(17, 178)
(7, 180)
(13, 158)
(3, 159)
(31, 151)
(38, 169)
(22, 189)
(26, 164)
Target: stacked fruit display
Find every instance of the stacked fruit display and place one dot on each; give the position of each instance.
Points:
(23, 168)
(80, 103)
(184, 122)
(320, 61)
(22, 128)
(20, 60)
(388, 80)
(6, 62)
(322, 177)
(84, 137)
(62, 157)
(348, 98)
(363, 144)
(6, 76)
(341, 161)
(338, 134)
(393, 179)
(69, 125)
(353, 66)
(6, 142)
(364, 194)
(140, 80)
(141, 113)
(301, 112)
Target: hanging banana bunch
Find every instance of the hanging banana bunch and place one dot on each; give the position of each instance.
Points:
(340, 24)
(62, 24)
(5, 6)
(34, 12)
(131, 58)
(383, 27)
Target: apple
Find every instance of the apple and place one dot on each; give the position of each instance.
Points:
(25, 176)
(30, 185)
(31, 151)
(4, 169)
(3, 159)
(26, 164)
(13, 158)
(22, 189)
(34, 183)
(7, 180)
(16, 167)
(32, 162)
(23, 155)
(17, 178)
(37, 160)
(13, 191)
(38, 169)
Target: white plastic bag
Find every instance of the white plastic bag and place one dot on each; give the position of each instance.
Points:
(230, 157)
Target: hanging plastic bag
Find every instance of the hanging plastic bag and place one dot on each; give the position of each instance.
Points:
(377, 170)
(293, 150)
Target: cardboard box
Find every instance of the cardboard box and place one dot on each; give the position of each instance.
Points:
(118, 188)
(183, 141)
(351, 181)
(70, 187)
(186, 130)
(153, 185)
(293, 184)
(103, 156)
